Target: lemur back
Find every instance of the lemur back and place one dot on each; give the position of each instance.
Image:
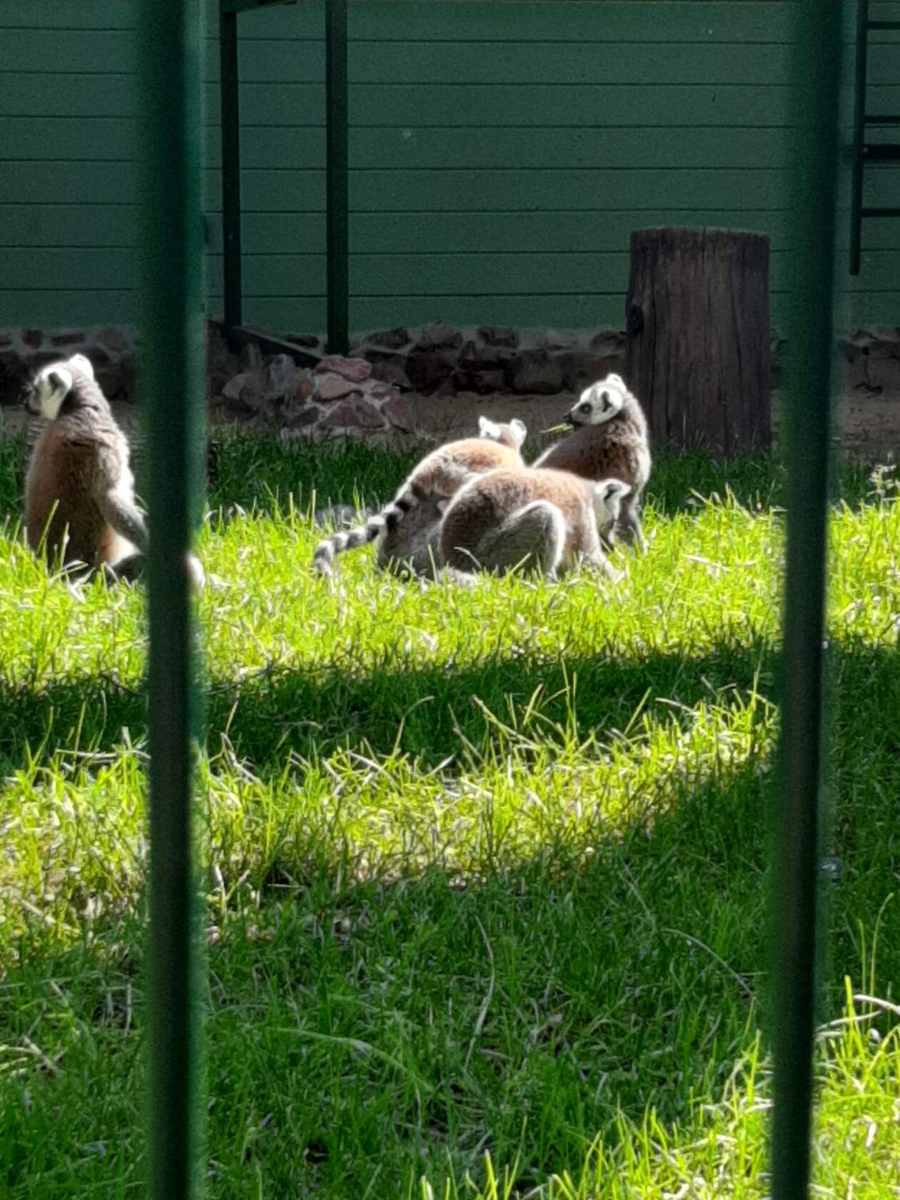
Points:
(407, 527)
(545, 518)
(80, 455)
(79, 489)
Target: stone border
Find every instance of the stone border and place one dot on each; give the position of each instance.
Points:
(437, 359)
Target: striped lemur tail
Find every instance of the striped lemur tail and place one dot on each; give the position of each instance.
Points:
(410, 495)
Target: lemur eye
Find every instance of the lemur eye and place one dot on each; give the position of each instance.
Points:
(585, 408)
(605, 398)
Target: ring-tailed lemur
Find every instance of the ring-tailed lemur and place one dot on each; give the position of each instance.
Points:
(609, 440)
(416, 509)
(79, 489)
(546, 519)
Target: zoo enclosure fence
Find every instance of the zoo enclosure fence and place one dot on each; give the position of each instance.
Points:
(169, 37)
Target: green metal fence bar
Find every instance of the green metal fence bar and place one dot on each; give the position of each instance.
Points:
(229, 88)
(816, 39)
(337, 184)
(169, 50)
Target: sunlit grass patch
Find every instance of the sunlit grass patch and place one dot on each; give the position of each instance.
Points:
(485, 870)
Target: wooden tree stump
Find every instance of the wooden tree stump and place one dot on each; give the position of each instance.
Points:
(698, 346)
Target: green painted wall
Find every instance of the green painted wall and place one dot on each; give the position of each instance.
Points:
(501, 153)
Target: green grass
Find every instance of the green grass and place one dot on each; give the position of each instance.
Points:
(486, 870)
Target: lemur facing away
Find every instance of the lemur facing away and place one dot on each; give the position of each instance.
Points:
(539, 518)
(408, 526)
(609, 440)
(79, 489)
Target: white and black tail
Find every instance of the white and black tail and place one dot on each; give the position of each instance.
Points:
(388, 519)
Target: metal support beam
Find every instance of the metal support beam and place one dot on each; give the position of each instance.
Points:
(337, 226)
(239, 6)
(229, 90)
(171, 383)
(815, 71)
(859, 133)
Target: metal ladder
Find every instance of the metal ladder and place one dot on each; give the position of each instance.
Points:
(863, 152)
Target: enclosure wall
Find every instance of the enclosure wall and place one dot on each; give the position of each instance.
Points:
(501, 153)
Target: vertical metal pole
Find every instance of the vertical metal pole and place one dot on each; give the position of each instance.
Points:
(169, 48)
(337, 186)
(229, 90)
(816, 39)
(859, 133)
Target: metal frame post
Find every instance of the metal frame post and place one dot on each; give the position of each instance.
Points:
(230, 117)
(337, 184)
(859, 133)
(171, 382)
(816, 42)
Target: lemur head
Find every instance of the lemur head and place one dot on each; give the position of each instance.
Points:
(608, 497)
(600, 402)
(52, 383)
(511, 435)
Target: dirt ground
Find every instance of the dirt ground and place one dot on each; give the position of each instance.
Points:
(869, 425)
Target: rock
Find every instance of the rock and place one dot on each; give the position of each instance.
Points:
(232, 389)
(376, 390)
(391, 368)
(112, 339)
(608, 341)
(389, 339)
(243, 395)
(428, 369)
(353, 414)
(280, 377)
(333, 387)
(439, 336)
(33, 338)
(13, 375)
(581, 368)
(297, 415)
(552, 340)
(498, 335)
(399, 413)
(74, 338)
(536, 372)
(354, 369)
(304, 387)
(485, 381)
(483, 370)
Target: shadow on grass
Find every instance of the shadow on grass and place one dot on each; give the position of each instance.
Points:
(396, 1025)
(423, 711)
(367, 1029)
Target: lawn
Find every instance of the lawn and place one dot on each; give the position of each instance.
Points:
(486, 869)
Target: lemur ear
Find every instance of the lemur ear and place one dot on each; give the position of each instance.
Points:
(80, 362)
(488, 429)
(519, 431)
(612, 489)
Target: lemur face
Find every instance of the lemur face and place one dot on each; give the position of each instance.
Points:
(599, 403)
